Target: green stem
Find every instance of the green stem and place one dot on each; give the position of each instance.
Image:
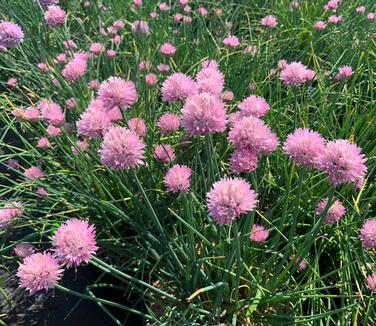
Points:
(238, 270)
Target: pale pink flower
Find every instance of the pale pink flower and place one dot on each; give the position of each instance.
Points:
(168, 122)
(53, 131)
(151, 79)
(23, 250)
(74, 70)
(296, 73)
(167, 49)
(178, 87)
(231, 41)
(54, 16)
(43, 143)
(243, 161)
(344, 73)
(371, 282)
(319, 25)
(210, 80)
(164, 153)
(302, 265)
(269, 22)
(259, 234)
(360, 10)
(9, 212)
(34, 173)
(368, 234)
(138, 126)
(335, 212)
(178, 178)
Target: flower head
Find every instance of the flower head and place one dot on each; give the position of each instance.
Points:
(23, 250)
(269, 22)
(93, 123)
(178, 87)
(178, 179)
(8, 212)
(138, 125)
(231, 41)
(335, 212)
(203, 114)
(342, 161)
(253, 134)
(302, 265)
(168, 122)
(54, 16)
(164, 153)
(34, 173)
(259, 234)
(74, 70)
(371, 282)
(254, 106)
(51, 112)
(368, 234)
(229, 198)
(74, 242)
(211, 81)
(140, 26)
(39, 271)
(117, 92)
(11, 34)
(319, 25)
(304, 146)
(243, 161)
(167, 49)
(122, 149)
(296, 73)
(344, 73)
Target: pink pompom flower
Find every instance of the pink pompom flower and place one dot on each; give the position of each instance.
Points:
(167, 49)
(229, 198)
(11, 35)
(360, 10)
(243, 161)
(9, 212)
(231, 41)
(296, 73)
(151, 79)
(54, 16)
(168, 122)
(253, 134)
(259, 234)
(74, 70)
(23, 250)
(371, 282)
(164, 153)
(96, 48)
(74, 242)
(138, 125)
(178, 87)
(178, 179)
(269, 22)
(51, 112)
(122, 149)
(39, 271)
(319, 25)
(344, 73)
(368, 234)
(304, 146)
(210, 80)
(255, 106)
(43, 143)
(302, 265)
(93, 124)
(117, 92)
(34, 173)
(53, 131)
(140, 27)
(204, 114)
(335, 212)
(342, 161)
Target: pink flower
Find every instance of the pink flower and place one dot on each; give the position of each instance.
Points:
(111, 53)
(361, 10)
(296, 73)
(227, 96)
(202, 11)
(141, 27)
(342, 161)
(71, 103)
(254, 106)
(144, 65)
(122, 149)
(344, 73)
(41, 192)
(151, 79)
(269, 22)
(54, 16)
(32, 114)
(74, 70)
(70, 45)
(210, 80)
(117, 92)
(137, 3)
(178, 87)
(168, 123)
(335, 212)
(153, 15)
(178, 178)
(53, 131)
(371, 282)
(138, 126)
(9, 212)
(12, 82)
(23, 250)
(319, 25)
(164, 6)
(39, 271)
(252, 134)
(304, 146)
(51, 112)
(259, 234)
(74, 242)
(94, 84)
(164, 153)
(93, 123)
(203, 114)
(231, 41)
(162, 68)
(34, 173)
(335, 19)
(119, 25)
(96, 48)
(11, 35)
(370, 16)
(167, 49)
(302, 265)
(243, 161)
(368, 234)
(229, 198)
(82, 145)
(43, 143)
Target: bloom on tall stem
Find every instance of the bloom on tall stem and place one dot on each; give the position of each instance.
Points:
(304, 146)
(371, 282)
(74, 242)
(8, 212)
(11, 34)
(178, 87)
(178, 179)
(259, 234)
(229, 198)
(342, 161)
(54, 16)
(296, 73)
(122, 149)
(368, 234)
(39, 271)
(335, 212)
